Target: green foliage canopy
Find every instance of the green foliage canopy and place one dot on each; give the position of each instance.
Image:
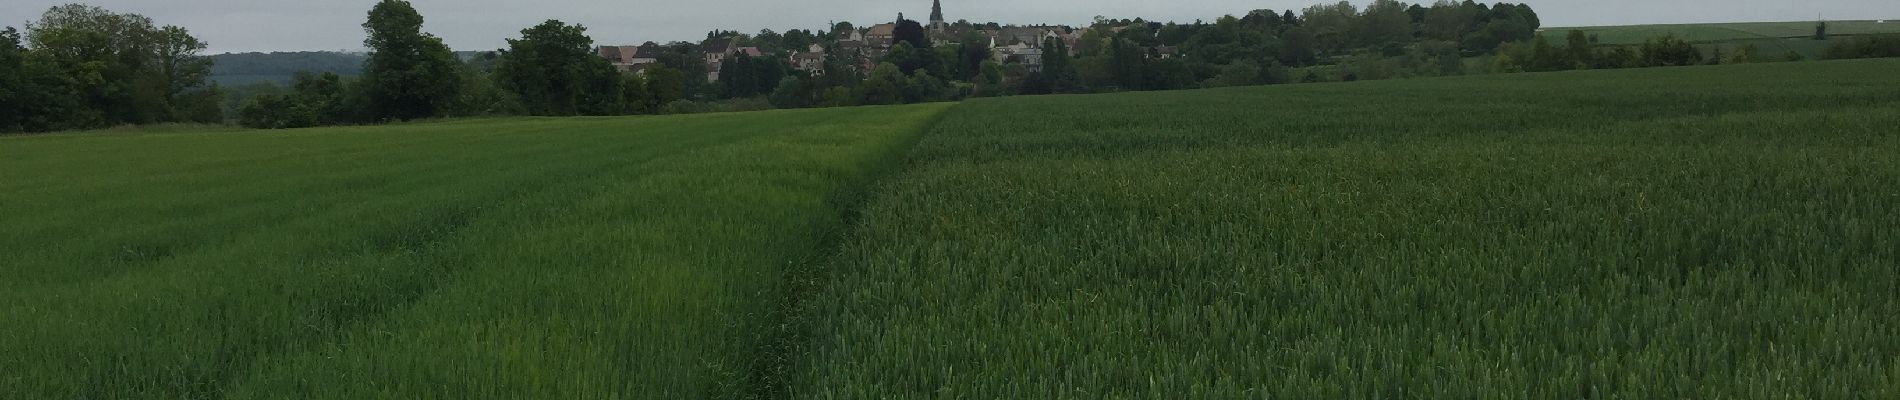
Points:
(554, 71)
(82, 66)
(410, 74)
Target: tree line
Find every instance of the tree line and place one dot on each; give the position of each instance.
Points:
(552, 70)
(83, 67)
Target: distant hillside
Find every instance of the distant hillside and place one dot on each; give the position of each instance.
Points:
(1769, 37)
(1635, 34)
(278, 67)
(234, 69)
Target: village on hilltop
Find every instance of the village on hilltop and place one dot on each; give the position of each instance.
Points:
(861, 48)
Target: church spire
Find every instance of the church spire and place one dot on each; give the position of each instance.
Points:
(936, 12)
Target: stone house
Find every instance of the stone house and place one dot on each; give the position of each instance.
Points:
(716, 51)
(881, 35)
(1029, 56)
(810, 62)
(627, 58)
(1164, 52)
(1029, 35)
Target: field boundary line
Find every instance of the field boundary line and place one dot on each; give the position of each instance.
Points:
(770, 375)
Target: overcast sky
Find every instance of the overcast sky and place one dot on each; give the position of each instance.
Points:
(287, 25)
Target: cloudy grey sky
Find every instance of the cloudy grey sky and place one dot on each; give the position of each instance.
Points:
(273, 25)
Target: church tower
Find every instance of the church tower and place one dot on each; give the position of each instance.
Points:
(936, 16)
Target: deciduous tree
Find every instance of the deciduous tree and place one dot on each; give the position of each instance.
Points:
(1668, 51)
(1059, 67)
(34, 97)
(1384, 22)
(553, 69)
(1582, 53)
(1331, 25)
(184, 68)
(883, 86)
(745, 76)
(121, 67)
(909, 31)
(410, 74)
(664, 85)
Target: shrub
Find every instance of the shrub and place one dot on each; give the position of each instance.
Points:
(1872, 46)
(276, 112)
(1668, 51)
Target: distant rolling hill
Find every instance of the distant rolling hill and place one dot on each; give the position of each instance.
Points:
(277, 67)
(1770, 37)
(234, 69)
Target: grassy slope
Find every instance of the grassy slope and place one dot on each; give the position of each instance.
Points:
(534, 258)
(1636, 34)
(1772, 39)
(1664, 233)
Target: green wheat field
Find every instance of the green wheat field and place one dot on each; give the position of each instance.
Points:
(1705, 232)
